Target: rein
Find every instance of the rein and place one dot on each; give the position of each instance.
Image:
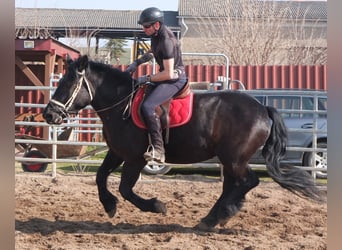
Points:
(127, 108)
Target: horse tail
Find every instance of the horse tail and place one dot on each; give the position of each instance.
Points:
(292, 178)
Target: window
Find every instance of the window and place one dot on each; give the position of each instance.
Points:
(286, 103)
(260, 99)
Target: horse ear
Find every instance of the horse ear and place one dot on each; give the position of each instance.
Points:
(83, 62)
(68, 59)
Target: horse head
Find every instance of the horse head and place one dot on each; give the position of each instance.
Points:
(73, 93)
(87, 82)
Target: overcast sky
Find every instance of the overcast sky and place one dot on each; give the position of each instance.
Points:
(99, 4)
(104, 4)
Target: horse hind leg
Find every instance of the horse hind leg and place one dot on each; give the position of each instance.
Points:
(230, 201)
(234, 202)
(238, 176)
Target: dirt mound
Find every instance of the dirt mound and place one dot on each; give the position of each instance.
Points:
(67, 214)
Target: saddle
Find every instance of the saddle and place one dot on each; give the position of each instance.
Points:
(175, 112)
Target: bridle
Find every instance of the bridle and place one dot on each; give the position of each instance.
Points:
(64, 108)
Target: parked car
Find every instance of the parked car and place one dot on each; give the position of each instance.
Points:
(298, 110)
(301, 109)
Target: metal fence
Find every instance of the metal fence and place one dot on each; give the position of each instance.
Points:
(96, 128)
(88, 128)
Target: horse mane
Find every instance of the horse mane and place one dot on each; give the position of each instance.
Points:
(110, 72)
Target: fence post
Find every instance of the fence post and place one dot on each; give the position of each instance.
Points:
(54, 152)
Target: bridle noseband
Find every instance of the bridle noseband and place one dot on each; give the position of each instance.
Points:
(64, 108)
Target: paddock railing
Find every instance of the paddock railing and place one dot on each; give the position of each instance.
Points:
(100, 146)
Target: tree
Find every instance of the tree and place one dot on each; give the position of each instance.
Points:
(253, 32)
(115, 49)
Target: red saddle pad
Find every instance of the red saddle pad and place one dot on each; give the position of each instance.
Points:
(180, 110)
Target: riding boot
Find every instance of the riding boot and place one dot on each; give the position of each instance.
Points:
(155, 151)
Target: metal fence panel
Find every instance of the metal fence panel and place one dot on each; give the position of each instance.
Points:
(94, 125)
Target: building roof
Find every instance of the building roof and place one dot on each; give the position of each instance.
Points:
(309, 10)
(119, 22)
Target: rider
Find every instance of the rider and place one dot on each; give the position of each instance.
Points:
(170, 79)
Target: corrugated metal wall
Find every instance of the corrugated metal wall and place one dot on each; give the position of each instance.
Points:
(299, 76)
(257, 77)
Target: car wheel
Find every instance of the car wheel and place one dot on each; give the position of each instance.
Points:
(156, 169)
(34, 166)
(319, 159)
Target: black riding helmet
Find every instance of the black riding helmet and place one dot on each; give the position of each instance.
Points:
(150, 16)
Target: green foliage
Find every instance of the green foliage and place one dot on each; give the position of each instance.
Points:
(116, 48)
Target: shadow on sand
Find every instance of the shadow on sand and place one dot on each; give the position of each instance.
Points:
(45, 227)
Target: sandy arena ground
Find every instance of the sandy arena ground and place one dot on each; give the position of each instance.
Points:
(67, 214)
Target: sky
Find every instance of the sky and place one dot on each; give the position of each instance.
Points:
(99, 4)
(104, 4)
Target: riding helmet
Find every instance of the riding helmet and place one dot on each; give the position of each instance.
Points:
(150, 16)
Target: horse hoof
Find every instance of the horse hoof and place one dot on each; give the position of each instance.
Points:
(111, 213)
(223, 222)
(204, 227)
(159, 207)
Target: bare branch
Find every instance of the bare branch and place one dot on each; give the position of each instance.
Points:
(257, 33)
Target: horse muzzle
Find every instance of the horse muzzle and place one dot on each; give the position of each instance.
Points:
(53, 116)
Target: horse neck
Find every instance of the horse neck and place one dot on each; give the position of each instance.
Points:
(111, 95)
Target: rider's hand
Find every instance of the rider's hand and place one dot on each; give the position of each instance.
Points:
(131, 68)
(143, 79)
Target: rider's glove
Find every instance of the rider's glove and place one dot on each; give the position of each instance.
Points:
(144, 58)
(131, 68)
(143, 79)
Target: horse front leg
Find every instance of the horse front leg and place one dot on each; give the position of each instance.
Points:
(129, 177)
(108, 200)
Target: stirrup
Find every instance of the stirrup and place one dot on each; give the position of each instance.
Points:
(151, 155)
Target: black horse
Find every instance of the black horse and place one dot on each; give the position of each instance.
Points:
(228, 124)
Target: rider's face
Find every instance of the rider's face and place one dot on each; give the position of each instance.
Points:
(150, 29)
